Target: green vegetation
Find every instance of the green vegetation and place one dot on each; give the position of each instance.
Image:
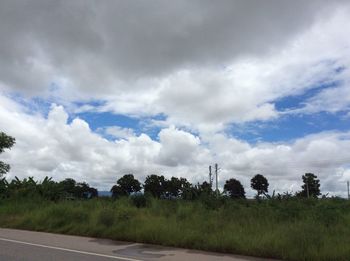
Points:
(46, 189)
(311, 186)
(125, 186)
(290, 228)
(260, 184)
(234, 189)
(6, 142)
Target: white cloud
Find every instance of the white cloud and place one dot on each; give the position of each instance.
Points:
(325, 154)
(51, 146)
(214, 66)
(118, 132)
(180, 148)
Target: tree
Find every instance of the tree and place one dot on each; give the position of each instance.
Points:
(155, 185)
(93, 192)
(82, 190)
(125, 186)
(176, 187)
(49, 189)
(190, 192)
(4, 192)
(234, 188)
(172, 187)
(204, 188)
(117, 191)
(260, 184)
(311, 186)
(67, 186)
(6, 142)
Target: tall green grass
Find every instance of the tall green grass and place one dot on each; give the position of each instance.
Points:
(292, 229)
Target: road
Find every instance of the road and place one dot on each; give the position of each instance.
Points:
(18, 245)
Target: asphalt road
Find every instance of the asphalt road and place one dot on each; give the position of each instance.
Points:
(33, 246)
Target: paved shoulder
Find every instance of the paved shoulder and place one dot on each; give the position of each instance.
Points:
(28, 245)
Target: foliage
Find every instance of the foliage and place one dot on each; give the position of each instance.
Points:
(190, 192)
(155, 185)
(287, 229)
(6, 142)
(106, 217)
(204, 188)
(46, 189)
(139, 200)
(175, 187)
(125, 186)
(234, 189)
(260, 184)
(311, 186)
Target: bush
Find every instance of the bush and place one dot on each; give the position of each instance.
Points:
(139, 200)
(106, 217)
(293, 229)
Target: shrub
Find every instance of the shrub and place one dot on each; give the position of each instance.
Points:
(106, 217)
(139, 200)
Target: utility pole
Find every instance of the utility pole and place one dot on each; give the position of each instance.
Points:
(307, 189)
(210, 177)
(348, 190)
(216, 178)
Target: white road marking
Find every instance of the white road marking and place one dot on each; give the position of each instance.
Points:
(69, 250)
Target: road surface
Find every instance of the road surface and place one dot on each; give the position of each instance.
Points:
(32, 246)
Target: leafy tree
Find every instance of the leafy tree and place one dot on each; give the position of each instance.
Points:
(117, 191)
(172, 187)
(22, 188)
(204, 188)
(4, 192)
(234, 188)
(311, 186)
(260, 184)
(46, 189)
(125, 186)
(129, 183)
(6, 142)
(190, 192)
(49, 189)
(82, 190)
(67, 187)
(175, 187)
(93, 192)
(155, 185)
(184, 186)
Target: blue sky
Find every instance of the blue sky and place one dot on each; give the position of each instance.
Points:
(288, 126)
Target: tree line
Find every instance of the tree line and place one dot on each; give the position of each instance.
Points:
(46, 189)
(160, 187)
(155, 185)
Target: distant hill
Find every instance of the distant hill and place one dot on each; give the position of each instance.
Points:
(104, 194)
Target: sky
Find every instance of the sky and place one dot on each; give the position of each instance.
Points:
(92, 90)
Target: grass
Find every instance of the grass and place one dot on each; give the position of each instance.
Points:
(292, 229)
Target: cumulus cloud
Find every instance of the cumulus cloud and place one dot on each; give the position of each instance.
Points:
(54, 147)
(180, 148)
(118, 132)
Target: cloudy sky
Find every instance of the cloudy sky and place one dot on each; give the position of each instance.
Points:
(95, 89)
